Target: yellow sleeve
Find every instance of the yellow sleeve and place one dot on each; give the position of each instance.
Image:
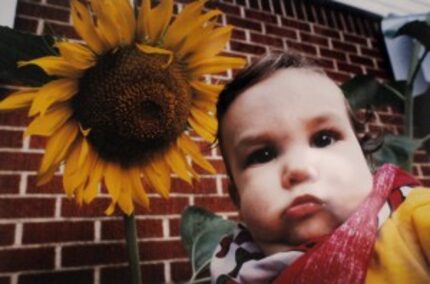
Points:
(402, 250)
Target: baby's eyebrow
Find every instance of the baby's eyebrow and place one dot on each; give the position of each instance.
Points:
(251, 139)
(322, 119)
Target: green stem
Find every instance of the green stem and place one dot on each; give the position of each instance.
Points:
(132, 248)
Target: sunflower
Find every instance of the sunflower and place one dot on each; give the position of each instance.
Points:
(122, 106)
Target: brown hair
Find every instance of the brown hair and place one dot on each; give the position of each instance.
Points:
(262, 69)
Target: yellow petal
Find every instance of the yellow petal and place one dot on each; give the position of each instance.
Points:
(53, 92)
(125, 201)
(215, 65)
(190, 148)
(160, 183)
(53, 119)
(160, 19)
(194, 39)
(76, 54)
(181, 27)
(144, 20)
(90, 191)
(44, 178)
(84, 152)
(19, 99)
(54, 65)
(207, 90)
(128, 21)
(178, 164)
(202, 130)
(204, 104)
(71, 180)
(84, 26)
(111, 208)
(58, 146)
(138, 193)
(156, 50)
(210, 46)
(107, 21)
(113, 180)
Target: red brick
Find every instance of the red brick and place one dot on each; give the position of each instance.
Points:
(238, 34)
(38, 142)
(156, 250)
(260, 16)
(59, 29)
(14, 118)
(391, 119)
(355, 38)
(226, 8)
(114, 229)
(151, 273)
(302, 47)
(27, 207)
(9, 184)
(425, 182)
(297, 25)
(361, 60)
(215, 203)
(82, 255)
(182, 271)
(202, 186)
(247, 48)
(283, 32)
(322, 31)
(382, 74)
(14, 260)
(25, 25)
(63, 277)
(55, 232)
(42, 11)
(7, 234)
(19, 161)
(266, 40)
(347, 67)
(174, 227)
(11, 139)
(337, 76)
(254, 4)
(343, 46)
(217, 164)
(239, 22)
(173, 205)
(332, 54)
(323, 62)
(55, 186)
(424, 168)
(310, 38)
(96, 208)
(372, 52)
(5, 280)
(64, 3)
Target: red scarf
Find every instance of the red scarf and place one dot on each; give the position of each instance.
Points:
(344, 256)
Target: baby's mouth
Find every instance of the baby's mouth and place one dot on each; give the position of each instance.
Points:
(303, 206)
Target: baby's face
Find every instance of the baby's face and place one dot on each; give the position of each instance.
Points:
(294, 158)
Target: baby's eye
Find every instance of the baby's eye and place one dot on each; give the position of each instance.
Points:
(261, 156)
(324, 138)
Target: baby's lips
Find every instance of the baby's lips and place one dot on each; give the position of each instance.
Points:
(303, 206)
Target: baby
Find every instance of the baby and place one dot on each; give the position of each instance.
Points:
(301, 183)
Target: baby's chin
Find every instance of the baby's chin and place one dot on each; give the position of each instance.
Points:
(302, 231)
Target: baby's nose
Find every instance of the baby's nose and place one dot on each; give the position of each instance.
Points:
(296, 176)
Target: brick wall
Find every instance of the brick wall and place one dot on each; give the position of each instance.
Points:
(46, 238)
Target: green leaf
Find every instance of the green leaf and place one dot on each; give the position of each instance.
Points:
(419, 30)
(396, 150)
(17, 46)
(201, 232)
(364, 90)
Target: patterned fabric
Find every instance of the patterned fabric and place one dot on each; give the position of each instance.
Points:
(238, 260)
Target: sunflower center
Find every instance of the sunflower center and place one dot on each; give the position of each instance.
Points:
(134, 105)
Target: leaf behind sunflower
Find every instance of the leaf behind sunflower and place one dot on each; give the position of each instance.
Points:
(19, 46)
